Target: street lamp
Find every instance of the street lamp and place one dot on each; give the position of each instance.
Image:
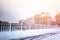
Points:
(10, 26)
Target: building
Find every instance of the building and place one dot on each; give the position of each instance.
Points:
(57, 19)
(42, 18)
(53, 22)
(29, 20)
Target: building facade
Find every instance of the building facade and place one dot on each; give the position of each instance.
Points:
(42, 18)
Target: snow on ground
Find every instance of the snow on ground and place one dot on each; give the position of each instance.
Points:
(54, 37)
(26, 33)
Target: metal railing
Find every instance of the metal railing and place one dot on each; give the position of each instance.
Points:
(24, 27)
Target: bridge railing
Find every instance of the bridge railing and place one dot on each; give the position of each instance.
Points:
(24, 27)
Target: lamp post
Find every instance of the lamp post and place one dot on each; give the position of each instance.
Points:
(22, 23)
(10, 26)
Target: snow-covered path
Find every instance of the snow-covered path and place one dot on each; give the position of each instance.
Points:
(53, 37)
(26, 33)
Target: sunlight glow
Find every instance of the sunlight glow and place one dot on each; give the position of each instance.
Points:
(22, 9)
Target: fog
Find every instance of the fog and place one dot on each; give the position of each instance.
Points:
(15, 10)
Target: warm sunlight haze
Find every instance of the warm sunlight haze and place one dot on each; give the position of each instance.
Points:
(22, 9)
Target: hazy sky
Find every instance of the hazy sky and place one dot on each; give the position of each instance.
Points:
(15, 10)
